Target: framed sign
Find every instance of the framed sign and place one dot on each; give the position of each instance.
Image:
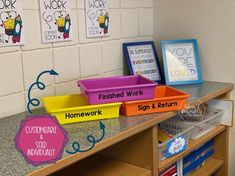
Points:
(142, 60)
(55, 21)
(97, 18)
(181, 62)
(11, 23)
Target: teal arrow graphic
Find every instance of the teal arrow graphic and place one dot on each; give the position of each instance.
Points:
(41, 86)
(77, 147)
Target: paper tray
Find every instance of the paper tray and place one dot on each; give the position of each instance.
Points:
(74, 108)
(166, 99)
(117, 89)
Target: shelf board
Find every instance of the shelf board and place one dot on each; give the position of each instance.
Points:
(209, 168)
(103, 166)
(193, 144)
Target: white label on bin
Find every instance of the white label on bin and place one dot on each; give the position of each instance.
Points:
(176, 146)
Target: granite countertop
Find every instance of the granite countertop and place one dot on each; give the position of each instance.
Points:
(12, 162)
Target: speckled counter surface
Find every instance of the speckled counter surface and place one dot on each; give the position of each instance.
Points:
(13, 164)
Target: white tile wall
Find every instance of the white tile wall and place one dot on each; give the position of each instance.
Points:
(129, 3)
(130, 21)
(145, 21)
(66, 61)
(35, 62)
(73, 4)
(12, 104)
(145, 3)
(81, 4)
(29, 4)
(113, 73)
(11, 77)
(114, 4)
(67, 88)
(9, 49)
(112, 54)
(90, 59)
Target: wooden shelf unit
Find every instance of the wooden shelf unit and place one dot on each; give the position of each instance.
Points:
(193, 144)
(103, 166)
(135, 150)
(209, 168)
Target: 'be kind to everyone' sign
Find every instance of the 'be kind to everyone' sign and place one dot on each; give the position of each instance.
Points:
(55, 20)
(97, 18)
(143, 61)
(11, 23)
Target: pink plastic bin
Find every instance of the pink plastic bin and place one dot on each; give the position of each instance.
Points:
(117, 89)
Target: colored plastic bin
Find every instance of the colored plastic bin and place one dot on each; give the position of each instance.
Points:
(163, 147)
(211, 121)
(166, 99)
(74, 108)
(117, 89)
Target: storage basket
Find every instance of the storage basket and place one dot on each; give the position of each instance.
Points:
(176, 125)
(166, 99)
(74, 108)
(117, 89)
(163, 147)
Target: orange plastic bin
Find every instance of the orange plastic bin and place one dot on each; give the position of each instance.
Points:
(166, 99)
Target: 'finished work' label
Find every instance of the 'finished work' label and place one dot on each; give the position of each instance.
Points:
(121, 94)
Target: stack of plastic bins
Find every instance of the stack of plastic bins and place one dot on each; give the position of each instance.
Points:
(197, 158)
(100, 99)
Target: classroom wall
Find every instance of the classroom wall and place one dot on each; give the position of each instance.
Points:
(212, 23)
(130, 20)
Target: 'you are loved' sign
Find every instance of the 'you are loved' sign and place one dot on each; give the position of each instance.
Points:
(97, 18)
(55, 20)
(181, 62)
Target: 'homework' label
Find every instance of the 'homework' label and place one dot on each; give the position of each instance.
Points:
(83, 114)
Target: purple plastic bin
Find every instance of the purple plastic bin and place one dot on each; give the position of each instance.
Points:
(117, 89)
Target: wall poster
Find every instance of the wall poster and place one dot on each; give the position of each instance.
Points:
(11, 23)
(142, 60)
(181, 62)
(97, 18)
(55, 20)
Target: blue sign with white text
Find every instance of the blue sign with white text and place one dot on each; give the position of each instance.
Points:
(176, 146)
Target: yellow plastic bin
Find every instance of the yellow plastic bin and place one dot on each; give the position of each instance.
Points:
(74, 108)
